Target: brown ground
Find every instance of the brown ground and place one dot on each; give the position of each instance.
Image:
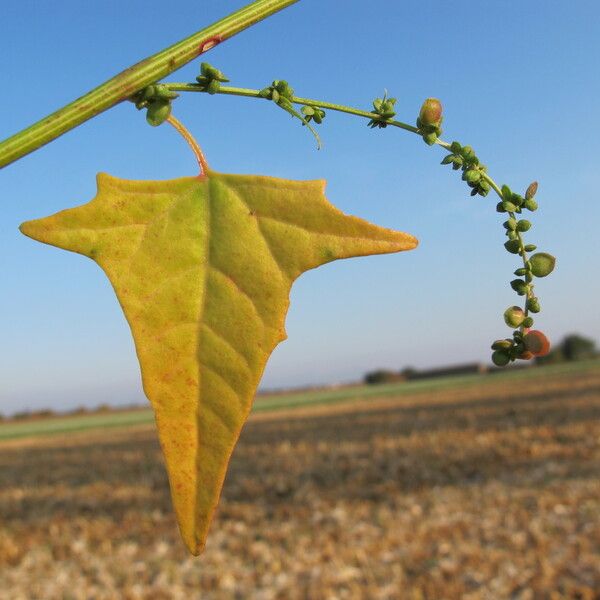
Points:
(488, 492)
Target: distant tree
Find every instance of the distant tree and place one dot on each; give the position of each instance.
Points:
(408, 372)
(21, 415)
(576, 347)
(382, 376)
(573, 347)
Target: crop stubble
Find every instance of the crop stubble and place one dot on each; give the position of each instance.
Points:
(484, 492)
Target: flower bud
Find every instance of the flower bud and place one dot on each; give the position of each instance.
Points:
(431, 112)
(514, 316)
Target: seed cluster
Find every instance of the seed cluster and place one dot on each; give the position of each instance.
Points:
(525, 343)
(384, 109)
(156, 99)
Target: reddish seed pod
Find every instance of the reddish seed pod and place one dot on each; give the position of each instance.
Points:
(537, 343)
(431, 112)
(526, 355)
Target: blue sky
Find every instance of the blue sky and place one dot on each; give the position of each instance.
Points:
(519, 82)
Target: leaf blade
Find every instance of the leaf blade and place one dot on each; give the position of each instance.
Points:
(203, 268)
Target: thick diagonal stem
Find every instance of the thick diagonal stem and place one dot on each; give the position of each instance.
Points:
(125, 84)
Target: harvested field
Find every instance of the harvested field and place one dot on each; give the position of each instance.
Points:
(487, 491)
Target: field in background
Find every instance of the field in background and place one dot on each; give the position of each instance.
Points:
(473, 487)
(268, 402)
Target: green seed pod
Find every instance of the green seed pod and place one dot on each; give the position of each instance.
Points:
(500, 358)
(448, 159)
(530, 204)
(213, 87)
(523, 225)
(521, 272)
(512, 235)
(519, 286)
(512, 246)
(527, 322)
(508, 206)
(542, 264)
(514, 316)
(517, 200)
(530, 247)
(431, 112)
(275, 95)
(149, 92)
(430, 138)
(207, 70)
(500, 207)
(158, 112)
(531, 190)
(506, 193)
(455, 147)
(510, 224)
(502, 345)
(319, 116)
(533, 305)
(472, 176)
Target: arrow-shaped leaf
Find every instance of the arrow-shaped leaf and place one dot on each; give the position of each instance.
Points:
(203, 268)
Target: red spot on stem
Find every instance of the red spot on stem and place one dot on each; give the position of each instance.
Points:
(209, 43)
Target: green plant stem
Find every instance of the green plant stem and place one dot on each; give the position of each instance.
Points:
(522, 252)
(250, 93)
(492, 183)
(135, 78)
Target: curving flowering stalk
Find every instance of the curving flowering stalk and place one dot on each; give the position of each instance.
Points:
(524, 343)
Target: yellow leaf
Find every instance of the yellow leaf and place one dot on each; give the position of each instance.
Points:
(202, 267)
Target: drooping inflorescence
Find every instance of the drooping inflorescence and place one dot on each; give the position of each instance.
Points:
(524, 343)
